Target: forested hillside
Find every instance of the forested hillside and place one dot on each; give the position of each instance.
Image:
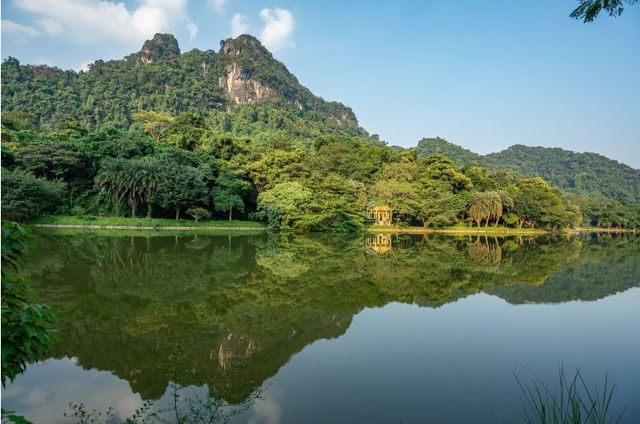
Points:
(160, 78)
(233, 134)
(580, 173)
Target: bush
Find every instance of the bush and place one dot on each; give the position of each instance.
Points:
(25, 196)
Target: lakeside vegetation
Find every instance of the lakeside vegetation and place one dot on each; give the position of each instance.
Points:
(108, 142)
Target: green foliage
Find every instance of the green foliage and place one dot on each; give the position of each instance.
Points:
(133, 180)
(284, 206)
(165, 131)
(537, 203)
(25, 196)
(228, 192)
(159, 80)
(27, 326)
(581, 173)
(181, 187)
(459, 155)
(198, 213)
(588, 10)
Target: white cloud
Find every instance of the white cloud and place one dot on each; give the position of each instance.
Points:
(218, 5)
(239, 25)
(51, 26)
(99, 21)
(278, 29)
(193, 30)
(15, 28)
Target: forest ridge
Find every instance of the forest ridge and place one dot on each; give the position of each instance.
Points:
(160, 133)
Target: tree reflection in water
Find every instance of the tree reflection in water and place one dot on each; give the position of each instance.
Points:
(237, 308)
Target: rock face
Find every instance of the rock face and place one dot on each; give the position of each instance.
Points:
(241, 88)
(162, 47)
(238, 80)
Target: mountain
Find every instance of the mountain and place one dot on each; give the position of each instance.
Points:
(161, 78)
(459, 155)
(580, 173)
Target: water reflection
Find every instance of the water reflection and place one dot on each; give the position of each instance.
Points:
(238, 308)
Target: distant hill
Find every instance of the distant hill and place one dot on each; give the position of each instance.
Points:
(581, 173)
(459, 155)
(242, 74)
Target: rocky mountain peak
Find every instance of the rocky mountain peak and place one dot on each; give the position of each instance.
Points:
(162, 47)
(243, 45)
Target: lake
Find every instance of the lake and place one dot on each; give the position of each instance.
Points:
(271, 328)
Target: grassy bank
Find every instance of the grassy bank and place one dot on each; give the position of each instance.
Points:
(110, 222)
(497, 231)
(459, 230)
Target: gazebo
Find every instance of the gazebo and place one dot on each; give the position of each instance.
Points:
(381, 214)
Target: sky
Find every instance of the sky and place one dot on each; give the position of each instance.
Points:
(482, 74)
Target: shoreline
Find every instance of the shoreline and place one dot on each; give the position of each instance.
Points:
(146, 227)
(390, 230)
(493, 231)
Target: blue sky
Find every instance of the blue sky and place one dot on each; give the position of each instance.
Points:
(485, 75)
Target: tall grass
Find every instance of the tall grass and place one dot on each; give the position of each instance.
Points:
(573, 401)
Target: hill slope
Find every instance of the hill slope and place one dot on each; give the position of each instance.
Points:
(161, 78)
(581, 173)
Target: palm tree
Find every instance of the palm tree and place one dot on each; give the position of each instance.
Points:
(479, 208)
(136, 180)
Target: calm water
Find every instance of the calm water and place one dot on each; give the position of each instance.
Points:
(366, 329)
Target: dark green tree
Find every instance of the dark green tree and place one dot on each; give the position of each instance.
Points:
(25, 196)
(228, 193)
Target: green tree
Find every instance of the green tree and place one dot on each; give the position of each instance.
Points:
(133, 180)
(440, 168)
(48, 160)
(25, 196)
(181, 187)
(284, 206)
(439, 206)
(155, 123)
(198, 213)
(228, 193)
(538, 204)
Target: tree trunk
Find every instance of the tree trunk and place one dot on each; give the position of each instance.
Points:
(230, 213)
(177, 213)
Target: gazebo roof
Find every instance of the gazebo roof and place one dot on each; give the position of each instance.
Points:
(379, 208)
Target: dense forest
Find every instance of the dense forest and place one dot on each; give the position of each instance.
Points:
(233, 134)
(580, 173)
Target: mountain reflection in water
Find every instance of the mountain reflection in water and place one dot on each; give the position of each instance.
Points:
(237, 308)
